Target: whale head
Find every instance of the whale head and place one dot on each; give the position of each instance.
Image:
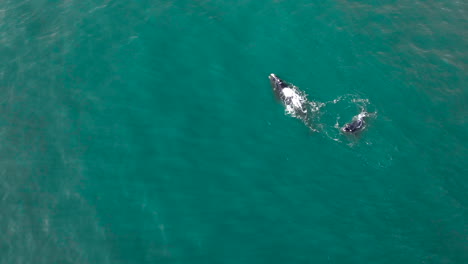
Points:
(277, 84)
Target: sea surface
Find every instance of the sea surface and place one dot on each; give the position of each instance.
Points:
(147, 132)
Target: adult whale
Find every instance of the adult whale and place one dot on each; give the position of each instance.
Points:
(293, 99)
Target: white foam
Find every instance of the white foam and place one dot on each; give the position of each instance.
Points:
(296, 99)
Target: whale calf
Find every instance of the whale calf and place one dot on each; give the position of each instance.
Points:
(357, 124)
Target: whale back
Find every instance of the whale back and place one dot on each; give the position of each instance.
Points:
(353, 126)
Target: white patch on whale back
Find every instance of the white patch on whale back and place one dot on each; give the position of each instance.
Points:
(296, 99)
(288, 92)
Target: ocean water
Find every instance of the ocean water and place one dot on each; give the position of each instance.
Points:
(147, 132)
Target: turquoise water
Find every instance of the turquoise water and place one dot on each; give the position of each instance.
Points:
(147, 132)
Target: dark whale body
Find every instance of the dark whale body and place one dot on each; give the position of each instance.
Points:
(353, 126)
(357, 124)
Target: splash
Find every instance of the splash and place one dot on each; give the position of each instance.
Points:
(328, 118)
